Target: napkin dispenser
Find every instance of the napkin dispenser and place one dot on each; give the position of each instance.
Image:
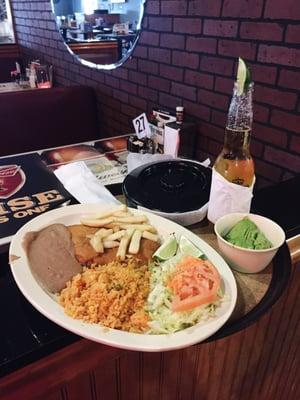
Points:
(157, 122)
(180, 139)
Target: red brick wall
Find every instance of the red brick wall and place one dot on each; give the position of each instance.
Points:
(187, 56)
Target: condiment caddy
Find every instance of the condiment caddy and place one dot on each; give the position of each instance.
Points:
(168, 131)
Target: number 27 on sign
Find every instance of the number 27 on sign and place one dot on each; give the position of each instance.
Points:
(141, 126)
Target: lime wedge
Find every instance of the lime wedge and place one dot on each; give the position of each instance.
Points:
(188, 248)
(243, 77)
(167, 250)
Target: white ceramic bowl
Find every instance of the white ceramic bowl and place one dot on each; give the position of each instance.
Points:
(248, 260)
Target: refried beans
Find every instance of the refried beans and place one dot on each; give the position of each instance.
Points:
(112, 295)
(51, 257)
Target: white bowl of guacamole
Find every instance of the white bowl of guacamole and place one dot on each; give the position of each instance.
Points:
(248, 242)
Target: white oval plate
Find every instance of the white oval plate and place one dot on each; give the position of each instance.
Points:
(48, 306)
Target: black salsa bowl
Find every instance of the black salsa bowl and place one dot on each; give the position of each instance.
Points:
(173, 186)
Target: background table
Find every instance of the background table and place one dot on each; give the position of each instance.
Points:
(13, 87)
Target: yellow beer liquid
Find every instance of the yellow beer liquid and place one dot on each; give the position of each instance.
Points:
(235, 162)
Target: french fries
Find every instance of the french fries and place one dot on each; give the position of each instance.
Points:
(131, 219)
(96, 243)
(140, 227)
(111, 211)
(122, 250)
(117, 235)
(103, 233)
(119, 228)
(97, 223)
(135, 242)
(110, 244)
(122, 214)
(150, 236)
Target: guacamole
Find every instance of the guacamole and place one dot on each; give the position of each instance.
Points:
(246, 234)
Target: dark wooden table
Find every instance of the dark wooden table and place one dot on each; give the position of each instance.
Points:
(37, 356)
(41, 360)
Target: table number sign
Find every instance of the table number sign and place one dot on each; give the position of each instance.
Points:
(141, 126)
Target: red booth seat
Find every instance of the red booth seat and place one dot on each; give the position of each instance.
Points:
(37, 119)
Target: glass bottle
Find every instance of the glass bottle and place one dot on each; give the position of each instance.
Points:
(234, 162)
(179, 114)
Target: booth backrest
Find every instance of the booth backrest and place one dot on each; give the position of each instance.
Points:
(37, 119)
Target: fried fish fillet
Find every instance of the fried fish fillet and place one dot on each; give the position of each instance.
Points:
(86, 254)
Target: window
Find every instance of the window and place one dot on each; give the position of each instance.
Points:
(89, 6)
(6, 26)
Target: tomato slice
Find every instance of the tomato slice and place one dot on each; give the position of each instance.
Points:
(192, 302)
(194, 282)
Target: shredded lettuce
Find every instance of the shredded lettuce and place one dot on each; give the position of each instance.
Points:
(163, 319)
